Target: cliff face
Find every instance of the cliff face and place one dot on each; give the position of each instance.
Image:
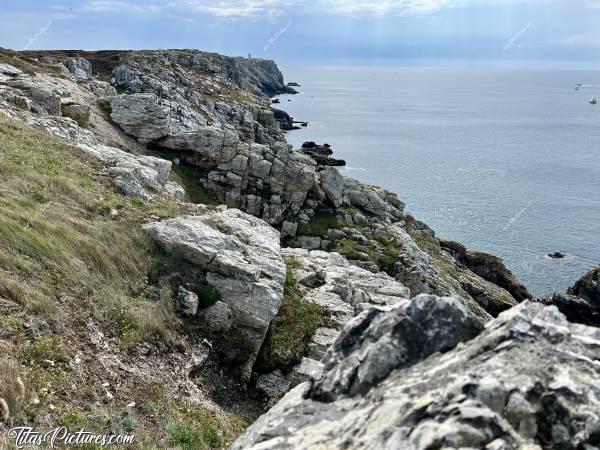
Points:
(255, 257)
(259, 76)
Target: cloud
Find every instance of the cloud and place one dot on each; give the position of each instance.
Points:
(110, 6)
(401, 7)
(245, 8)
(581, 40)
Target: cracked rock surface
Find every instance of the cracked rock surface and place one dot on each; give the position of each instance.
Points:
(528, 381)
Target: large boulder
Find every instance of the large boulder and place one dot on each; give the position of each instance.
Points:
(488, 267)
(135, 175)
(581, 303)
(239, 255)
(373, 200)
(79, 67)
(45, 101)
(383, 339)
(588, 287)
(332, 184)
(529, 380)
(141, 116)
(78, 112)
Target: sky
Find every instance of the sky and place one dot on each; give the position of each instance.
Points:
(560, 32)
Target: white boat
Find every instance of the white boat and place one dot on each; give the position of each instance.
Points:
(593, 100)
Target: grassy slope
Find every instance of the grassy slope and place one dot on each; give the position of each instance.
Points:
(64, 262)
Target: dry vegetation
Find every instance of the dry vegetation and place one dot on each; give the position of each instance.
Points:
(68, 266)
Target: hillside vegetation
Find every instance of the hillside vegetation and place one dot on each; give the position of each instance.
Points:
(74, 263)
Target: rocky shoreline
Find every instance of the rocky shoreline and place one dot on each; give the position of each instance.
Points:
(304, 281)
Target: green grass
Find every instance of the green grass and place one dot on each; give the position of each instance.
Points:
(45, 348)
(67, 263)
(292, 263)
(192, 427)
(58, 243)
(294, 324)
(189, 178)
(183, 435)
(425, 241)
(320, 223)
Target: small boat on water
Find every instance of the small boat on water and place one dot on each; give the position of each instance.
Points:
(593, 100)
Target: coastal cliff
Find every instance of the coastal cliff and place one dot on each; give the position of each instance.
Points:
(181, 257)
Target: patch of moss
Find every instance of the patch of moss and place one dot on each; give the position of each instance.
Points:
(385, 255)
(425, 241)
(207, 296)
(220, 226)
(352, 250)
(189, 178)
(319, 224)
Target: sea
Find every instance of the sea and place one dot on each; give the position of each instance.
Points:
(503, 161)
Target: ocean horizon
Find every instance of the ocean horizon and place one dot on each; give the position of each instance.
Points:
(503, 161)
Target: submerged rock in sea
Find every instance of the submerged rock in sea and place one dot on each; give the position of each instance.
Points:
(529, 380)
(556, 255)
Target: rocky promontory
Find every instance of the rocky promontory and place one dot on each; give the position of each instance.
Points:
(164, 225)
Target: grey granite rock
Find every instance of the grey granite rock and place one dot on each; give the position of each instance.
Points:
(141, 116)
(218, 317)
(581, 303)
(240, 256)
(136, 175)
(187, 301)
(382, 339)
(333, 185)
(528, 381)
(588, 287)
(79, 67)
(79, 113)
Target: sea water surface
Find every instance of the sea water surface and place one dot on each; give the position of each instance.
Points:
(506, 162)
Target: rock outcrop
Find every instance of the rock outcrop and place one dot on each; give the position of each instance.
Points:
(527, 381)
(341, 291)
(321, 154)
(46, 102)
(488, 267)
(237, 255)
(79, 67)
(141, 115)
(286, 122)
(581, 303)
(588, 287)
(384, 339)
